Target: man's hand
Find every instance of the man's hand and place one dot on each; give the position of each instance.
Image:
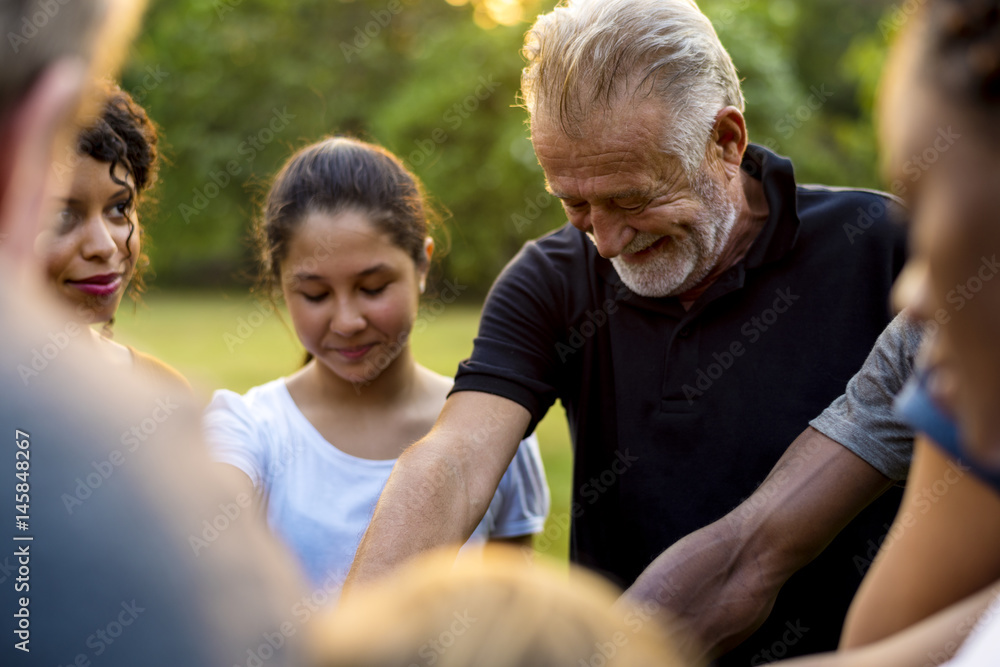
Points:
(721, 582)
(442, 485)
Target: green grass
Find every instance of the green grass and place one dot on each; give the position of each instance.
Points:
(234, 342)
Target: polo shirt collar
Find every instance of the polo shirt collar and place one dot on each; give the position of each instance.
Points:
(781, 230)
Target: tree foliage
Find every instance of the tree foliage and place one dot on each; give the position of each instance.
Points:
(238, 85)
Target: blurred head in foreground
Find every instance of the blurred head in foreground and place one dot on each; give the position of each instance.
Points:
(940, 127)
(46, 70)
(113, 481)
(497, 612)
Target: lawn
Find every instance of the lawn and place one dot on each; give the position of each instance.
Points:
(236, 342)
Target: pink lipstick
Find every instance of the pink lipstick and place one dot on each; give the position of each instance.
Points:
(102, 285)
(355, 353)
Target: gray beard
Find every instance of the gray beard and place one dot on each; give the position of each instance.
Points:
(681, 264)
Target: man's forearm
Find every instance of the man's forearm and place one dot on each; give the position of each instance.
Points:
(424, 505)
(721, 581)
(442, 486)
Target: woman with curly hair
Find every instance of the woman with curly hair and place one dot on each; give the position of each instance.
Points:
(93, 252)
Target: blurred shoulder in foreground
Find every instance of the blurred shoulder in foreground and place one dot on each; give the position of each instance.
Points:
(138, 553)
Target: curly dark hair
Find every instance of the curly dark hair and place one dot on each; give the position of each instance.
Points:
(962, 56)
(123, 135)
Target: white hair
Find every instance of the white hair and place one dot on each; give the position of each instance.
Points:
(590, 52)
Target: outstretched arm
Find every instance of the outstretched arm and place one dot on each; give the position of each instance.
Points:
(941, 547)
(720, 582)
(441, 486)
(930, 642)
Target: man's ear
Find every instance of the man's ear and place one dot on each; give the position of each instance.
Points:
(37, 126)
(729, 139)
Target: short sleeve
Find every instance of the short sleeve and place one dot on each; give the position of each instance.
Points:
(234, 435)
(513, 354)
(522, 501)
(863, 419)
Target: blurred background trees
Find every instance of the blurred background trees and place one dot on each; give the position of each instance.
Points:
(238, 85)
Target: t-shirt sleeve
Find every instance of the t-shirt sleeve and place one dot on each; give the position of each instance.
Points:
(863, 418)
(234, 436)
(522, 499)
(513, 355)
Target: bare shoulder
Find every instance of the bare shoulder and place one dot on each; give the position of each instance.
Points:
(435, 388)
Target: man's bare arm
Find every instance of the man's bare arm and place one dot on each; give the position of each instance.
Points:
(441, 486)
(720, 582)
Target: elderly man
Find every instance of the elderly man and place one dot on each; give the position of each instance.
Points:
(698, 309)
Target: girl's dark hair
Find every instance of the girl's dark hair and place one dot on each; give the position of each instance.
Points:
(962, 56)
(334, 175)
(123, 135)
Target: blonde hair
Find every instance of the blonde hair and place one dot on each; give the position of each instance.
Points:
(587, 53)
(501, 611)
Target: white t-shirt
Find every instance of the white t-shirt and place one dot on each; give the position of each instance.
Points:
(982, 647)
(320, 499)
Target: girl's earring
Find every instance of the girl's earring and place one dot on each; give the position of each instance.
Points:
(423, 286)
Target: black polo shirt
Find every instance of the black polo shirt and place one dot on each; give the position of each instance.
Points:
(676, 416)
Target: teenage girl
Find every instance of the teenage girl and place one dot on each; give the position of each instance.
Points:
(344, 238)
